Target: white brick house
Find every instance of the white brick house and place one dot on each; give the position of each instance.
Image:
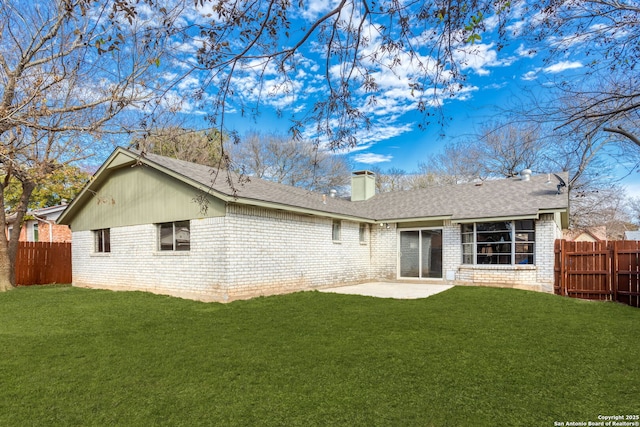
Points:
(147, 222)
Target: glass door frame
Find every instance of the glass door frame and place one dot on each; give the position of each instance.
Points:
(420, 257)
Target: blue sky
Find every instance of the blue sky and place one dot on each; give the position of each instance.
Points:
(495, 79)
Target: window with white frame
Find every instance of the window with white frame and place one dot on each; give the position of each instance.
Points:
(335, 230)
(362, 232)
(174, 236)
(500, 242)
(35, 232)
(102, 240)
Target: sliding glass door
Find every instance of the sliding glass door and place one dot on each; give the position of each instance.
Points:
(420, 253)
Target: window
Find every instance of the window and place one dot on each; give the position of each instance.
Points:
(103, 240)
(335, 230)
(362, 233)
(174, 236)
(35, 232)
(504, 242)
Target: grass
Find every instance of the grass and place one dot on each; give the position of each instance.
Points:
(466, 357)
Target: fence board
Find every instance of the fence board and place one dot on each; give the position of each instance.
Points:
(40, 263)
(598, 270)
(587, 270)
(627, 277)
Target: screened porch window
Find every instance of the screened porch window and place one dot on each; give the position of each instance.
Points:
(174, 236)
(503, 242)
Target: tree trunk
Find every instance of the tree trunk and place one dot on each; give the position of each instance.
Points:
(5, 263)
(9, 246)
(5, 267)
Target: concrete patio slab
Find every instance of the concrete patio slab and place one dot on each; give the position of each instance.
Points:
(390, 290)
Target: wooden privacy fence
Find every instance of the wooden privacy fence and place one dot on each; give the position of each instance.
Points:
(41, 263)
(598, 270)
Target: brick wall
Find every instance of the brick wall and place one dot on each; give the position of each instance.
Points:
(59, 233)
(384, 252)
(254, 251)
(277, 251)
(451, 251)
(249, 252)
(134, 262)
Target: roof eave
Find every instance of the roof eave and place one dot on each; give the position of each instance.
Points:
(299, 210)
(562, 211)
(414, 219)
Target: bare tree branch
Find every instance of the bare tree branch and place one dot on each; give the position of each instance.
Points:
(624, 133)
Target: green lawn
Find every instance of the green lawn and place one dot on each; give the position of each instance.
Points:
(466, 357)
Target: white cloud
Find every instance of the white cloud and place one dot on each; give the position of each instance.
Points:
(465, 92)
(525, 52)
(478, 57)
(187, 47)
(496, 86)
(552, 69)
(516, 28)
(188, 84)
(372, 158)
(491, 23)
(315, 8)
(562, 66)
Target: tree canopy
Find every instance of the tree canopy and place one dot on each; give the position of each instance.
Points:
(279, 158)
(63, 184)
(71, 72)
(196, 146)
(75, 71)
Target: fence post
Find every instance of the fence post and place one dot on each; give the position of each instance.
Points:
(614, 270)
(563, 268)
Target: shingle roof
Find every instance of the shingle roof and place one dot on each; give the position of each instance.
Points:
(489, 199)
(257, 189)
(493, 198)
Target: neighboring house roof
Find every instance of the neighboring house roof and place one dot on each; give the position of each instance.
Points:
(632, 235)
(50, 213)
(505, 198)
(598, 233)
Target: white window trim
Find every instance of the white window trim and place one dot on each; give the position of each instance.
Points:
(158, 248)
(96, 241)
(398, 250)
(34, 228)
(364, 239)
(333, 223)
(512, 243)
